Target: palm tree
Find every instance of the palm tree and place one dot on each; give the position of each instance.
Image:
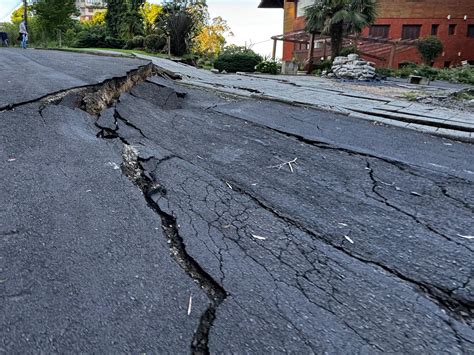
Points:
(338, 18)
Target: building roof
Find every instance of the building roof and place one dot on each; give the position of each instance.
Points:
(271, 4)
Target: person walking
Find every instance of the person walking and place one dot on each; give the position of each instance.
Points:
(23, 34)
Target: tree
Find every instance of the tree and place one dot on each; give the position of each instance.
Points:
(116, 9)
(132, 21)
(430, 48)
(182, 21)
(98, 18)
(210, 41)
(55, 15)
(338, 18)
(17, 15)
(150, 12)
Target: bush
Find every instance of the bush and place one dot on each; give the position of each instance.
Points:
(135, 42)
(268, 67)
(348, 50)
(87, 39)
(385, 72)
(323, 65)
(232, 62)
(154, 43)
(427, 72)
(112, 42)
(429, 48)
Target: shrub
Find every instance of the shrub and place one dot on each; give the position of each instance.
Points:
(268, 67)
(385, 72)
(154, 43)
(427, 72)
(348, 50)
(244, 61)
(87, 39)
(429, 48)
(135, 42)
(323, 65)
(112, 42)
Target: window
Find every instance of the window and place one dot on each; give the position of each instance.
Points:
(470, 31)
(434, 30)
(411, 31)
(381, 31)
(452, 30)
(301, 5)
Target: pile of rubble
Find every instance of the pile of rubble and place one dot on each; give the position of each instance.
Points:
(351, 67)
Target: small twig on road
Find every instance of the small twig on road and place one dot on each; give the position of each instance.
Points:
(289, 163)
(466, 236)
(190, 304)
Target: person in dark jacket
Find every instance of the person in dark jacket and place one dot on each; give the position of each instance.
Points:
(4, 39)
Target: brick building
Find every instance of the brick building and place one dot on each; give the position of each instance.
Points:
(88, 8)
(391, 39)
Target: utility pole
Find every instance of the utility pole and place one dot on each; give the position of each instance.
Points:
(25, 13)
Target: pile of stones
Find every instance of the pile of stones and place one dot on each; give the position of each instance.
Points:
(352, 67)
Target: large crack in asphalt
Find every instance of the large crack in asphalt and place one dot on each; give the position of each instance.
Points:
(444, 298)
(94, 101)
(133, 169)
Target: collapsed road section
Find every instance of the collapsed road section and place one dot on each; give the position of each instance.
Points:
(141, 215)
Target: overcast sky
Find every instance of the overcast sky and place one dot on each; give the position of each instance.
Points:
(248, 23)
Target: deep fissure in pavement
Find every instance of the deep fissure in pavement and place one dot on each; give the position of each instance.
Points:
(95, 102)
(444, 298)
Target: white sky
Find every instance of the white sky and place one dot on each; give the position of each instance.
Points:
(248, 23)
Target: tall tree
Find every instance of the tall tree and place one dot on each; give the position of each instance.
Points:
(54, 15)
(338, 18)
(211, 40)
(132, 21)
(181, 21)
(150, 12)
(116, 9)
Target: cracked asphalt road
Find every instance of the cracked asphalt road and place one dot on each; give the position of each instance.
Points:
(171, 222)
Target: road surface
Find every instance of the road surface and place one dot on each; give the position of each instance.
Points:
(138, 214)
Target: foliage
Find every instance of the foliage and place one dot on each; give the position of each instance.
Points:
(410, 96)
(348, 50)
(114, 16)
(233, 61)
(457, 75)
(132, 20)
(154, 43)
(430, 48)
(268, 67)
(233, 49)
(88, 35)
(98, 18)
(17, 15)
(54, 15)
(210, 41)
(323, 65)
(149, 13)
(135, 42)
(112, 42)
(339, 18)
(182, 21)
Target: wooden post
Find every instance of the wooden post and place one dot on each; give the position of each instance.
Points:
(310, 54)
(274, 49)
(392, 55)
(324, 49)
(169, 46)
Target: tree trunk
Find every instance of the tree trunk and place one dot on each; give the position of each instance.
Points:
(336, 32)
